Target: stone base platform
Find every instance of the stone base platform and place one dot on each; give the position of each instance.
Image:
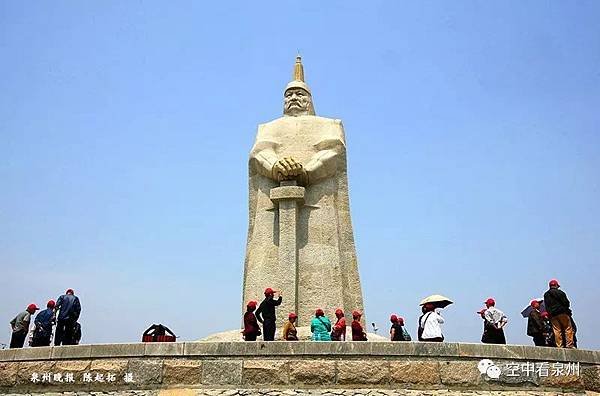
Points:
(304, 334)
(298, 368)
(312, 392)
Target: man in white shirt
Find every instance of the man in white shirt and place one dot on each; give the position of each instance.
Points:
(496, 320)
(430, 322)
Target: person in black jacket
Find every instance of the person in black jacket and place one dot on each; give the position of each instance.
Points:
(535, 325)
(266, 313)
(44, 321)
(69, 309)
(558, 306)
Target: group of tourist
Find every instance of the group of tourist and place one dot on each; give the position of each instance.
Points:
(321, 327)
(550, 322)
(68, 330)
(553, 326)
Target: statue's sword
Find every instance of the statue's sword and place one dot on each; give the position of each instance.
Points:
(289, 197)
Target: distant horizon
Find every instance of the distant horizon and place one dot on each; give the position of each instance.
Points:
(473, 144)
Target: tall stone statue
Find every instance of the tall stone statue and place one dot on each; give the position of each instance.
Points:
(300, 238)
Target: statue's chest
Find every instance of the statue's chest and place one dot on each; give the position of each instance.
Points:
(298, 139)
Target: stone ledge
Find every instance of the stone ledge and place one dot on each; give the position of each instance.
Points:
(283, 348)
(355, 372)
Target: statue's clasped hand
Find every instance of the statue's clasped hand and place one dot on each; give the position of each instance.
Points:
(289, 169)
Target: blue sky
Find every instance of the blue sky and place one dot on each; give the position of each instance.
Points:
(473, 137)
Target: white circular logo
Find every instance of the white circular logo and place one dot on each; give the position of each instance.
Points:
(484, 365)
(487, 367)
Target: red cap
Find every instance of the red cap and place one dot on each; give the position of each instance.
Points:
(429, 306)
(32, 307)
(69, 291)
(51, 304)
(319, 312)
(400, 320)
(490, 302)
(339, 312)
(269, 291)
(534, 303)
(356, 313)
(553, 283)
(251, 304)
(292, 315)
(393, 318)
(545, 314)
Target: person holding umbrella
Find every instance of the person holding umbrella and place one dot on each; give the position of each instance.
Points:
(535, 324)
(430, 322)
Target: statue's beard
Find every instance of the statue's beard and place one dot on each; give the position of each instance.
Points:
(297, 110)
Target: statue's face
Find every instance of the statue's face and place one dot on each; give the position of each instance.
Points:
(296, 102)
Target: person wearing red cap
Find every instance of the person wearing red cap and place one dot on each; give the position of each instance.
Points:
(251, 328)
(396, 329)
(69, 309)
(358, 334)
(44, 321)
(496, 320)
(320, 326)
(289, 328)
(338, 333)
(266, 313)
(558, 306)
(535, 324)
(405, 334)
(20, 326)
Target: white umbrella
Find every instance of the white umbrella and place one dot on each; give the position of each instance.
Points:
(437, 300)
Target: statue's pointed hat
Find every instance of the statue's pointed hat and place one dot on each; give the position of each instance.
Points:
(298, 82)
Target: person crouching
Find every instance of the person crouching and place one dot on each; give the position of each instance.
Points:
(358, 334)
(320, 326)
(289, 328)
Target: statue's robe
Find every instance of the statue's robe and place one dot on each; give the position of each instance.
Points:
(327, 271)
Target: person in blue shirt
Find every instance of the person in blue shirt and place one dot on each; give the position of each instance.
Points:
(69, 308)
(320, 326)
(44, 321)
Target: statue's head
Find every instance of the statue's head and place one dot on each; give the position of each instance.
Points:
(297, 99)
(297, 102)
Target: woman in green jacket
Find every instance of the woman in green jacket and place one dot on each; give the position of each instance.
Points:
(320, 327)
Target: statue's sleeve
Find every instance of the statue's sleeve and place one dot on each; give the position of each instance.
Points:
(263, 157)
(323, 163)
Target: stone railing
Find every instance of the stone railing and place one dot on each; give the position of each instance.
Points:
(297, 365)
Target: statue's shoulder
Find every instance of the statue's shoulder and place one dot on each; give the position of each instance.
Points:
(285, 120)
